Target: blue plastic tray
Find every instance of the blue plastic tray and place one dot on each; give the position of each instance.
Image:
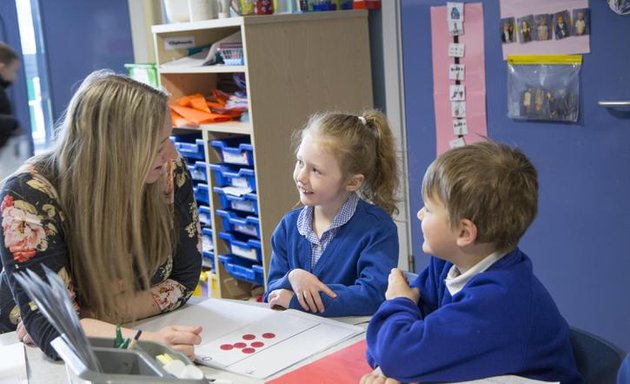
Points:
(205, 217)
(201, 193)
(226, 175)
(246, 203)
(210, 257)
(232, 222)
(243, 269)
(206, 239)
(244, 247)
(192, 150)
(191, 138)
(198, 171)
(235, 151)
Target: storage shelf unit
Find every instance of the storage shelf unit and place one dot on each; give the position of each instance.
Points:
(295, 65)
(235, 127)
(205, 69)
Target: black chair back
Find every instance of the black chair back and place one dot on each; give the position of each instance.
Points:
(598, 360)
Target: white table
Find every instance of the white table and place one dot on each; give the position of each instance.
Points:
(43, 370)
(40, 369)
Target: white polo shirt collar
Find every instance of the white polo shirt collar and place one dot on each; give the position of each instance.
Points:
(455, 281)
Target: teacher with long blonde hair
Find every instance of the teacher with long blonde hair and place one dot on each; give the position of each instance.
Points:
(111, 209)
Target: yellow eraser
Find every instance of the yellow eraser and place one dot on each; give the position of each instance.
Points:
(164, 358)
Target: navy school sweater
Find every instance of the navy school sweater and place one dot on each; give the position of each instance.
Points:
(355, 264)
(503, 322)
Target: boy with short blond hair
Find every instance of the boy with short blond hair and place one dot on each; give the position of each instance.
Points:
(477, 310)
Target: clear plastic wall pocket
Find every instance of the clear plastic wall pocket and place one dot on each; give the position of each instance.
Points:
(544, 87)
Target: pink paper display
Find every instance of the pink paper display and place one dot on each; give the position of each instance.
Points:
(475, 79)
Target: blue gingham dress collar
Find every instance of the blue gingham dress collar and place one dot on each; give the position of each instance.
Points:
(305, 226)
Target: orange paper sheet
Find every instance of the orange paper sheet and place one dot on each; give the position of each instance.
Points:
(179, 121)
(197, 116)
(195, 101)
(347, 365)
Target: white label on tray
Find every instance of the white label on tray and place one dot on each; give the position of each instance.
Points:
(247, 253)
(246, 229)
(247, 206)
(240, 182)
(237, 191)
(198, 175)
(234, 158)
(208, 246)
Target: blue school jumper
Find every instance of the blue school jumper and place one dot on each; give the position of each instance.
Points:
(355, 264)
(503, 322)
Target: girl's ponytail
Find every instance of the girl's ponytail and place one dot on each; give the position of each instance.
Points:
(382, 187)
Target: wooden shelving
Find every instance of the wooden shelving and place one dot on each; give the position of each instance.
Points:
(205, 69)
(295, 65)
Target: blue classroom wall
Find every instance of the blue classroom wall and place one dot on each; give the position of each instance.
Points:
(578, 241)
(80, 37)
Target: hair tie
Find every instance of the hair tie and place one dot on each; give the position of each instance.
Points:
(362, 120)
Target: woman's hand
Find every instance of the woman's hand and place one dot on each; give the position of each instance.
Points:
(280, 298)
(180, 338)
(307, 287)
(377, 377)
(23, 335)
(398, 287)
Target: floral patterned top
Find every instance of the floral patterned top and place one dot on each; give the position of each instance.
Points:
(32, 235)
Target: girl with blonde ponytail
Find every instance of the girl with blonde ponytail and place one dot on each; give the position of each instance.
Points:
(333, 256)
(111, 209)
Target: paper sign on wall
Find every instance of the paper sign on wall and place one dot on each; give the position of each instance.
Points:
(457, 72)
(458, 109)
(457, 93)
(455, 11)
(459, 83)
(456, 143)
(459, 127)
(456, 50)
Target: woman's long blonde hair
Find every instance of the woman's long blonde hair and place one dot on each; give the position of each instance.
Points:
(118, 229)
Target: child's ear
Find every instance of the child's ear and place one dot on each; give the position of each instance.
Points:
(355, 183)
(467, 233)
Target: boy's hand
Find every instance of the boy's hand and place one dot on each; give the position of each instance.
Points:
(377, 377)
(398, 287)
(280, 298)
(307, 287)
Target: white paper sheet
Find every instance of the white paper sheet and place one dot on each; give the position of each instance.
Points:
(297, 335)
(213, 355)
